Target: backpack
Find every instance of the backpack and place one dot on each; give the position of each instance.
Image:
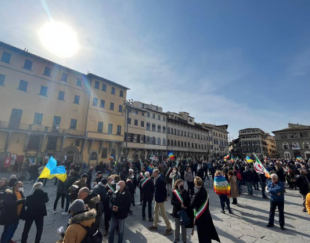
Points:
(239, 177)
(93, 234)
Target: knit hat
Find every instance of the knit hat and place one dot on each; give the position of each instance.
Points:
(13, 177)
(37, 186)
(84, 175)
(104, 181)
(77, 206)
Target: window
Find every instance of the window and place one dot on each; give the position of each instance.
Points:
(6, 57)
(2, 78)
(129, 120)
(100, 127)
(104, 153)
(43, 91)
(73, 124)
(287, 155)
(148, 126)
(102, 103)
(120, 108)
(96, 85)
(164, 129)
(56, 122)
(159, 128)
(142, 123)
(158, 117)
(77, 99)
(142, 113)
(95, 101)
(121, 93)
(303, 134)
(28, 64)
(79, 82)
(38, 118)
(119, 130)
(23, 85)
(164, 118)
(112, 106)
(64, 77)
(153, 116)
(153, 127)
(112, 90)
(178, 132)
(306, 145)
(110, 128)
(168, 142)
(47, 71)
(148, 114)
(285, 145)
(104, 87)
(136, 122)
(164, 141)
(77, 143)
(158, 141)
(293, 135)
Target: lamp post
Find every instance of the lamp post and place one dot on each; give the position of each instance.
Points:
(127, 106)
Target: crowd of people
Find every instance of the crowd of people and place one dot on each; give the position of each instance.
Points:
(102, 198)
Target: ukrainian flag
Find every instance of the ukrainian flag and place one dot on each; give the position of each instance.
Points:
(51, 170)
(249, 160)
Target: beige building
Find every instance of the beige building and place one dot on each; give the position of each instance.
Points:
(271, 147)
(49, 109)
(253, 140)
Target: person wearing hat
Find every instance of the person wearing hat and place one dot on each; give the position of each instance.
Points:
(98, 178)
(13, 210)
(35, 212)
(75, 232)
(12, 180)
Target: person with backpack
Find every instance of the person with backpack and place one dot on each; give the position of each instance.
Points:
(79, 224)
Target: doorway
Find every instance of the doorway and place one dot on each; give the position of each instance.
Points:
(15, 118)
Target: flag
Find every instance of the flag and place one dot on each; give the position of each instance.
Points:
(232, 159)
(111, 157)
(51, 170)
(299, 158)
(266, 172)
(259, 168)
(249, 160)
(226, 157)
(171, 156)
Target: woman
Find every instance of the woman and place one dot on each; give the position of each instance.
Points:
(222, 188)
(175, 175)
(203, 220)
(180, 201)
(232, 179)
(188, 176)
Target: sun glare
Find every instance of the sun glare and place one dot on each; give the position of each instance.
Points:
(59, 39)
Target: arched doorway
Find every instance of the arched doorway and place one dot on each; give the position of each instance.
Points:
(93, 158)
(71, 153)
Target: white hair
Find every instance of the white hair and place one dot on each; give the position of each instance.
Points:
(274, 176)
(13, 177)
(130, 170)
(147, 174)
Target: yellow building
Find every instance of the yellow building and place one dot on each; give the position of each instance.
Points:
(48, 109)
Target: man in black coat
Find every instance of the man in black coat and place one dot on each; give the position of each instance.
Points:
(302, 183)
(147, 188)
(248, 178)
(36, 210)
(262, 179)
(90, 177)
(120, 208)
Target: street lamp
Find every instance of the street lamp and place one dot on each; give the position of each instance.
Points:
(128, 104)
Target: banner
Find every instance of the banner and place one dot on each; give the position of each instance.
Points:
(7, 162)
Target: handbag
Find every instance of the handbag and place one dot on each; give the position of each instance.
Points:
(184, 219)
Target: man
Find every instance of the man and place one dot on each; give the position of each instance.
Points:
(147, 188)
(120, 207)
(98, 178)
(74, 189)
(91, 199)
(90, 177)
(110, 188)
(160, 198)
(36, 211)
(262, 179)
(276, 190)
(13, 210)
(248, 178)
(131, 183)
(302, 183)
(73, 177)
(100, 189)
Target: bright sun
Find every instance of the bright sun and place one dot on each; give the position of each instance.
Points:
(59, 38)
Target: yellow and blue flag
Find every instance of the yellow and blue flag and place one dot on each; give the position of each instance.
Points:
(249, 160)
(51, 170)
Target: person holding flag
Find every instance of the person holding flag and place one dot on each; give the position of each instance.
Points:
(51, 170)
(147, 189)
(203, 220)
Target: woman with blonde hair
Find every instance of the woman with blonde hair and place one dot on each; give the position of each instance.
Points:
(222, 188)
(232, 179)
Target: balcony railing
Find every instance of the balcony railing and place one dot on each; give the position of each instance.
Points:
(39, 128)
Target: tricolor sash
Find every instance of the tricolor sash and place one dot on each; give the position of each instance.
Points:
(178, 195)
(144, 182)
(111, 188)
(198, 213)
(168, 171)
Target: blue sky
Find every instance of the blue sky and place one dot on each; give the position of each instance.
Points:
(244, 63)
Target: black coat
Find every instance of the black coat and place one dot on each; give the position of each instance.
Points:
(89, 179)
(130, 186)
(248, 176)
(102, 192)
(205, 226)
(147, 190)
(160, 190)
(35, 205)
(8, 214)
(122, 201)
(177, 204)
(303, 184)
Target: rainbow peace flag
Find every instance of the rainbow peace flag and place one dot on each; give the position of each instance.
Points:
(299, 158)
(171, 156)
(221, 186)
(111, 157)
(51, 170)
(232, 159)
(249, 160)
(226, 157)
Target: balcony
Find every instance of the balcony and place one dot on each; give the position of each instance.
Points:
(38, 128)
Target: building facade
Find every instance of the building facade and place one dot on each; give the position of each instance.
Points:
(293, 141)
(48, 109)
(271, 147)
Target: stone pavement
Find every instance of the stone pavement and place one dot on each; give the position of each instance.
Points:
(247, 224)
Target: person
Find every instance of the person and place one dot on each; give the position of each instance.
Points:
(74, 189)
(203, 220)
(304, 187)
(35, 212)
(180, 201)
(147, 189)
(232, 180)
(120, 205)
(131, 188)
(276, 191)
(200, 170)
(13, 210)
(89, 177)
(175, 175)
(168, 180)
(98, 178)
(90, 198)
(248, 178)
(100, 189)
(3, 187)
(73, 177)
(222, 188)
(188, 176)
(110, 188)
(308, 203)
(160, 198)
(12, 181)
(60, 194)
(80, 218)
(262, 179)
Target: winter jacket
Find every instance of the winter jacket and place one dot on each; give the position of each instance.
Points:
(274, 190)
(303, 184)
(177, 204)
(75, 233)
(92, 199)
(101, 191)
(61, 187)
(80, 183)
(160, 190)
(122, 200)
(69, 182)
(35, 204)
(188, 176)
(308, 202)
(147, 190)
(130, 187)
(248, 176)
(12, 182)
